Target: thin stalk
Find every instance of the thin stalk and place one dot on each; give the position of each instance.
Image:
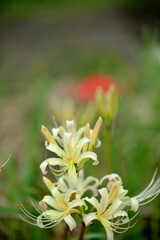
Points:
(66, 232)
(81, 235)
(107, 149)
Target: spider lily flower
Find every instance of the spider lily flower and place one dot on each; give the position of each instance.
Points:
(1, 166)
(112, 217)
(70, 152)
(116, 191)
(63, 209)
(82, 185)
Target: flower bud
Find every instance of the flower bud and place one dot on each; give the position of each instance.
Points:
(95, 133)
(47, 135)
(48, 183)
(107, 104)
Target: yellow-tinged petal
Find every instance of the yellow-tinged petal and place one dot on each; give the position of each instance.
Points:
(113, 191)
(47, 135)
(86, 134)
(48, 183)
(57, 150)
(95, 133)
(104, 200)
(88, 218)
(70, 222)
(52, 162)
(54, 203)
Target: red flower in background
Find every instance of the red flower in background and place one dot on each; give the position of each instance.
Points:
(86, 89)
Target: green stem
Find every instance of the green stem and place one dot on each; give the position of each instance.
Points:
(107, 149)
(66, 232)
(81, 235)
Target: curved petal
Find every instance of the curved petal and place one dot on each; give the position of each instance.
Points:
(113, 192)
(77, 136)
(68, 194)
(70, 222)
(134, 204)
(72, 176)
(89, 217)
(52, 162)
(59, 197)
(57, 150)
(79, 147)
(53, 203)
(93, 201)
(104, 200)
(67, 143)
(113, 208)
(90, 180)
(85, 155)
(111, 177)
(76, 203)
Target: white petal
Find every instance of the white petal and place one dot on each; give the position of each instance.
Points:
(52, 162)
(104, 200)
(113, 208)
(57, 150)
(79, 147)
(70, 125)
(85, 155)
(77, 136)
(70, 222)
(93, 201)
(68, 194)
(134, 205)
(111, 177)
(89, 217)
(67, 143)
(72, 176)
(76, 203)
(53, 203)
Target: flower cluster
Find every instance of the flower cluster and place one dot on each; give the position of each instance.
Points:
(108, 203)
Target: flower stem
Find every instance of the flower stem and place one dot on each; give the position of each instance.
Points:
(107, 148)
(82, 231)
(66, 232)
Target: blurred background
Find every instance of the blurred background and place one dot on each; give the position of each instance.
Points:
(45, 47)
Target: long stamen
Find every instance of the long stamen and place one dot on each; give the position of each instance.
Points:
(1, 166)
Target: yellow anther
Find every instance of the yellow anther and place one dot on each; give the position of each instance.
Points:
(21, 205)
(127, 210)
(156, 168)
(10, 155)
(35, 207)
(29, 197)
(136, 220)
(0, 167)
(33, 219)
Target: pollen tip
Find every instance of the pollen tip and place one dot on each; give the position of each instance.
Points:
(140, 208)
(137, 220)
(127, 210)
(33, 219)
(10, 155)
(156, 168)
(0, 167)
(29, 197)
(21, 205)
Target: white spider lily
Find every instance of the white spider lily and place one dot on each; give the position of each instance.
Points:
(69, 157)
(118, 192)
(106, 214)
(58, 133)
(63, 208)
(1, 166)
(82, 185)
